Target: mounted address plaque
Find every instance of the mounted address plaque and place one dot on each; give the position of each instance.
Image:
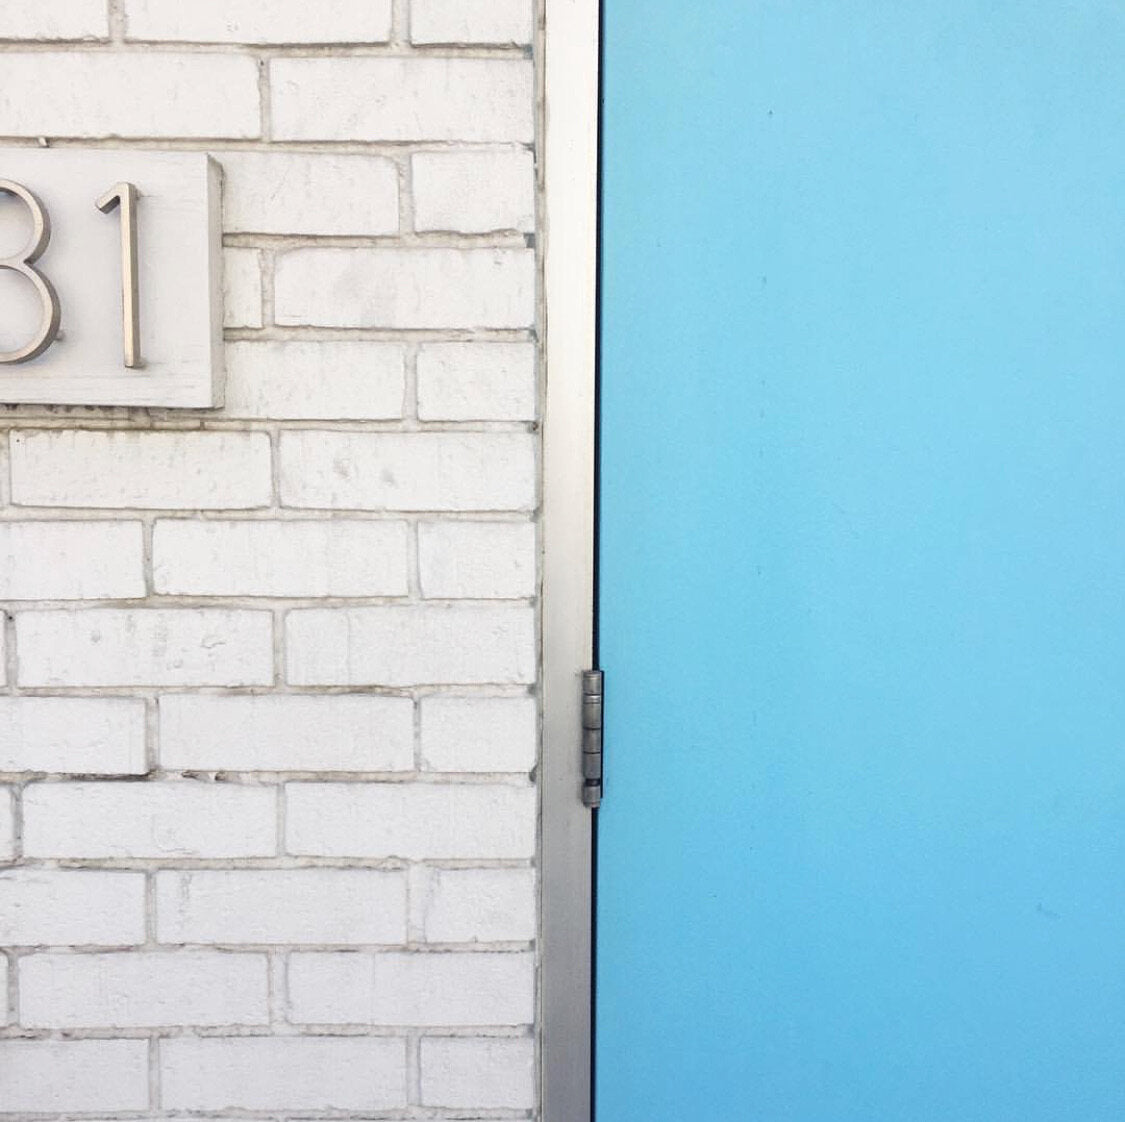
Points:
(110, 278)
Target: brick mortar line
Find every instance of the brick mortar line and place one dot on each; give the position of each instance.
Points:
(162, 423)
(424, 689)
(388, 149)
(289, 863)
(511, 948)
(342, 51)
(235, 777)
(244, 601)
(505, 240)
(515, 1031)
(56, 515)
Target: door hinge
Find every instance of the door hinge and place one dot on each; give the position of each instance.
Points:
(593, 697)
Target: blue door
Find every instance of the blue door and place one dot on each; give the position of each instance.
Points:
(862, 593)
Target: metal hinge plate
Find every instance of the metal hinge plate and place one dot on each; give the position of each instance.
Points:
(593, 698)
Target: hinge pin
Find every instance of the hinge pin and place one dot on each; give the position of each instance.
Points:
(593, 694)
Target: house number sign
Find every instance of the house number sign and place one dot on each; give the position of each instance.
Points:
(110, 278)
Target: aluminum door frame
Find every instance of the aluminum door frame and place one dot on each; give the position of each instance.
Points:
(569, 45)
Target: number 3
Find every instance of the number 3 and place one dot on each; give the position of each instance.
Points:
(24, 264)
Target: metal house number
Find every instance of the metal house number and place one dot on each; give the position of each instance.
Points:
(23, 262)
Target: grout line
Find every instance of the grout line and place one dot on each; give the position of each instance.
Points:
(400, 23)
(12, 995)
(154, 1088)
(342, 50)
(265, 99)
(115, 17)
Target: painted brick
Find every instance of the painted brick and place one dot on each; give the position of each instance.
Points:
(468, 99)
(250, 21)
(323, 193)
(406, 288)
(242, 288)
(473, 905)
(7, 825)
(145, 647)
(491, 1073)
(408, 471)
(270, 906)
(477, 560)
(477, 382)
(479, 733)
(86, 736)
(40, 907)
(161, 470)
(260, 1073)
(412, 989)
(413, 821)
(471, 21)
(405, 646)
(37, 1076)
(287, 732)
(331, 381)
(139, 989)
(186, 819)
(143, 94)
(61, 19)
(338, 558)
(474, 192)
(71, 560)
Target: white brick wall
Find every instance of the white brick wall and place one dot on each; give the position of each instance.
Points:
(258, 1073)
(412, 989)
(447, 194)
(135, 990)
(294, 193)
(330, 381)
(490, 1074)
(250, 21)
(281, 906)
(287, 732)
(145, 647)
(422, 471)
(168, 470)
(406, 646)
(71, 560)
(421, 821)
(406, 288)
(476, 382)
(478, 734)
(454, 99)
(73, 1075)
(471, 21)
(62, 93)
(79, 907)
(242, 287)
(477, 560)
(148, 820)
(7, 824)
(268, 729)
(71, 734)
(61, 19)
(473, 905)
(301, 559)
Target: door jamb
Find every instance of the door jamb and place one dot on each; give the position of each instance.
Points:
(570, 91)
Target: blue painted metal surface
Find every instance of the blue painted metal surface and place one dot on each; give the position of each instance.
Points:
(862, 855)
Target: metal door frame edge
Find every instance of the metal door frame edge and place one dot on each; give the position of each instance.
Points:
(569, 48)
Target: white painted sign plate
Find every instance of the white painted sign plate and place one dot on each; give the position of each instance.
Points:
(173, 340)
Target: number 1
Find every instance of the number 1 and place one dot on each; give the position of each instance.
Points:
(125, 195)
